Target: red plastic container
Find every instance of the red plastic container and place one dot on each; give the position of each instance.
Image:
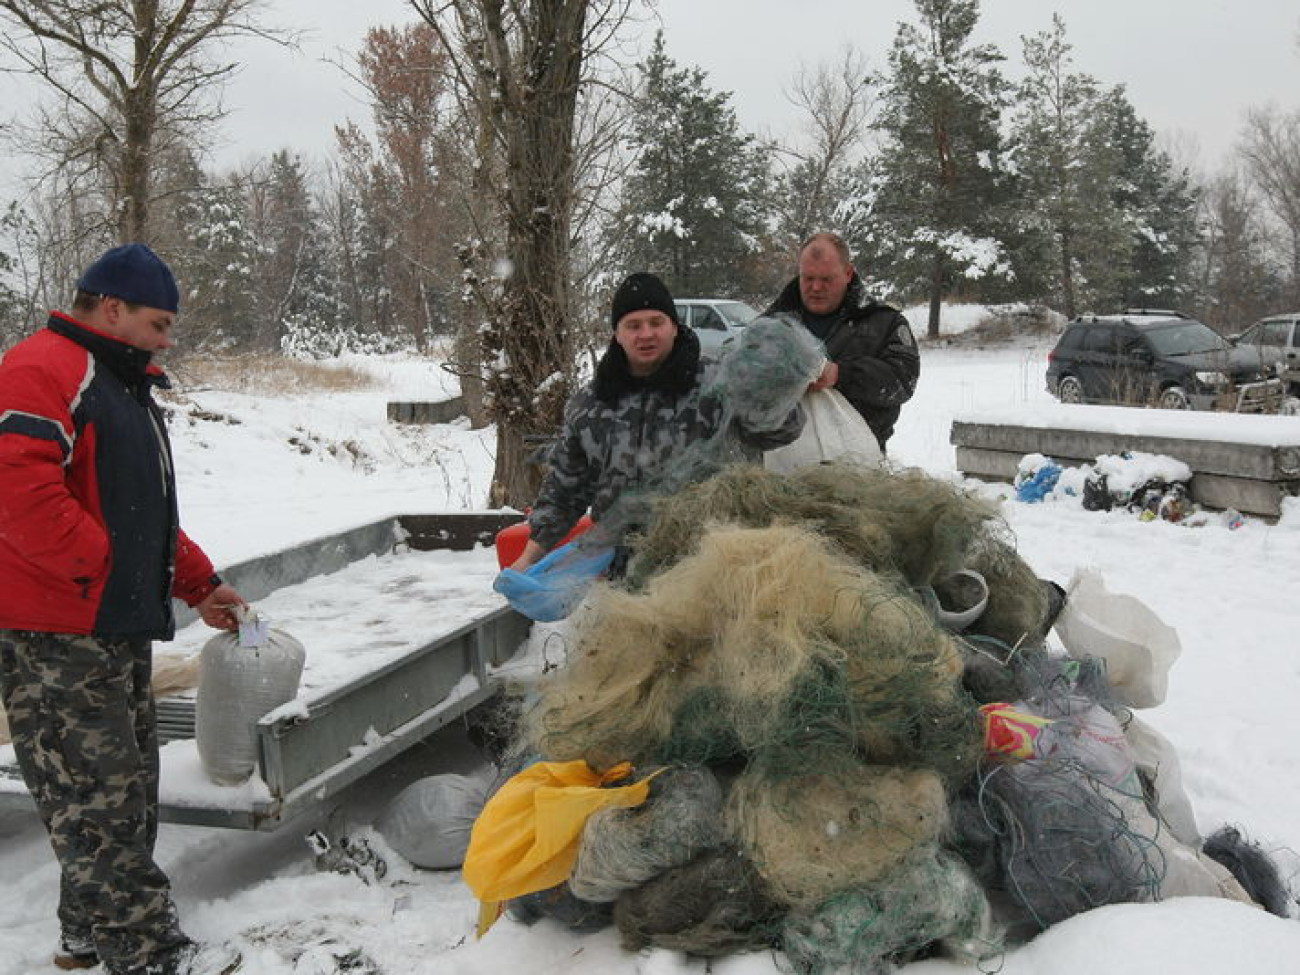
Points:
(510, 541)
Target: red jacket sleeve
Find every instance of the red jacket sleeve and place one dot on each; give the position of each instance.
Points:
(195, 576)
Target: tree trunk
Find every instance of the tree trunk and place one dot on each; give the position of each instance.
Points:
(466, 357)
(537, 308)
(936, 295)
(1067, 274)
(515, 481)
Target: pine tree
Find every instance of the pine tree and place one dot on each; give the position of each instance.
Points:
(692, 205)
(938, 195)
(1158, 207)
(294, 288)
(1108, 220)
(204, 234)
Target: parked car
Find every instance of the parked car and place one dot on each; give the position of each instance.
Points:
(715, 320)
(1276, 339)
(1158, 358)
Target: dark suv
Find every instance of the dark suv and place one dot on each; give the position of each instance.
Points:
(1158, 358)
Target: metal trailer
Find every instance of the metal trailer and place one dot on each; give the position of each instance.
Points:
(352, 729)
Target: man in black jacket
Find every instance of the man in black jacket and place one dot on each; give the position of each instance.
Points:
(872, 358)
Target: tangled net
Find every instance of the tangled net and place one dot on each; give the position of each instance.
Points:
(776, 647)
(764, 643)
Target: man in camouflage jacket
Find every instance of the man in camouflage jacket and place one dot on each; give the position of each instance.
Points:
(646, 404)
(872, 358)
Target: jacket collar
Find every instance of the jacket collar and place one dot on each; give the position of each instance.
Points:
(129, 364)
(676, 376)
(856, 298)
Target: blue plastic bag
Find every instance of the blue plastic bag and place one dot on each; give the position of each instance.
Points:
(549, 589)
(1040, 484)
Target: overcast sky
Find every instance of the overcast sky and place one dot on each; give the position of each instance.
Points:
(1191, 67)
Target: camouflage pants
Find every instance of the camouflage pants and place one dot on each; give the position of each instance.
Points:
(82, 718)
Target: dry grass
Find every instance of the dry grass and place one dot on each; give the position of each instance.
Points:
(1004, 325)
(264, 373)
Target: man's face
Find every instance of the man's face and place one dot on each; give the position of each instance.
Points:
(647, 338)
(823, 280)
(141, 326)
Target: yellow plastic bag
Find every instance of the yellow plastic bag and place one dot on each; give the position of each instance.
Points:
(527, 836)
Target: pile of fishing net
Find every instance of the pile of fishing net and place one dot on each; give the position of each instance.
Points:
(832, 766)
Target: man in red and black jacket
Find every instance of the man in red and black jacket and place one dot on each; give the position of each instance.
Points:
(91, 554)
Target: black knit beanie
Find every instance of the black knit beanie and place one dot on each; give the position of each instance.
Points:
(640, 292)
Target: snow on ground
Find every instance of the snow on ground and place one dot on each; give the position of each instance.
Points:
(266, 472)
(299, 466)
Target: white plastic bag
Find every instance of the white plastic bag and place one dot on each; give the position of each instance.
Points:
(1156, 757)
(834, 431)
(1138, 647)
(237, 686)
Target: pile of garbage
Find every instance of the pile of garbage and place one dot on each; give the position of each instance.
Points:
(1152, 486)
(821, 715)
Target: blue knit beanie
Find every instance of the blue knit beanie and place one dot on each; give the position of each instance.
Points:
(135, 274)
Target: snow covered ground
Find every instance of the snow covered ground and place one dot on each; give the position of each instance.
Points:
(260, 472)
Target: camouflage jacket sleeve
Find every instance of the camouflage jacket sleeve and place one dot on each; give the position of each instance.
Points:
(571, 478)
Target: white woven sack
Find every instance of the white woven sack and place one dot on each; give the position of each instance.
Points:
(237, 686)
(833, 430)
(1156, 757)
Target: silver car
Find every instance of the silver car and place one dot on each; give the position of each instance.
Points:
(1277, 340)
(715, 320)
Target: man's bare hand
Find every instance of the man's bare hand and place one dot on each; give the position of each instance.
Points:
(217, 609)
(829, 377)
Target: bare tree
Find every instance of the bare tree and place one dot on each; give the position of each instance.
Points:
(1238, 281)
(836, 103)
(1271, 150)
(405, 73)
(520, 68)
(129, 79)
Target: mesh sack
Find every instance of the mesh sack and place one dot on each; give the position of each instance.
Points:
(715, 905)
(623, 848)
(932, 899)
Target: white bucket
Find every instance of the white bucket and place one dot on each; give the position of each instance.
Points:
(961, 599)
